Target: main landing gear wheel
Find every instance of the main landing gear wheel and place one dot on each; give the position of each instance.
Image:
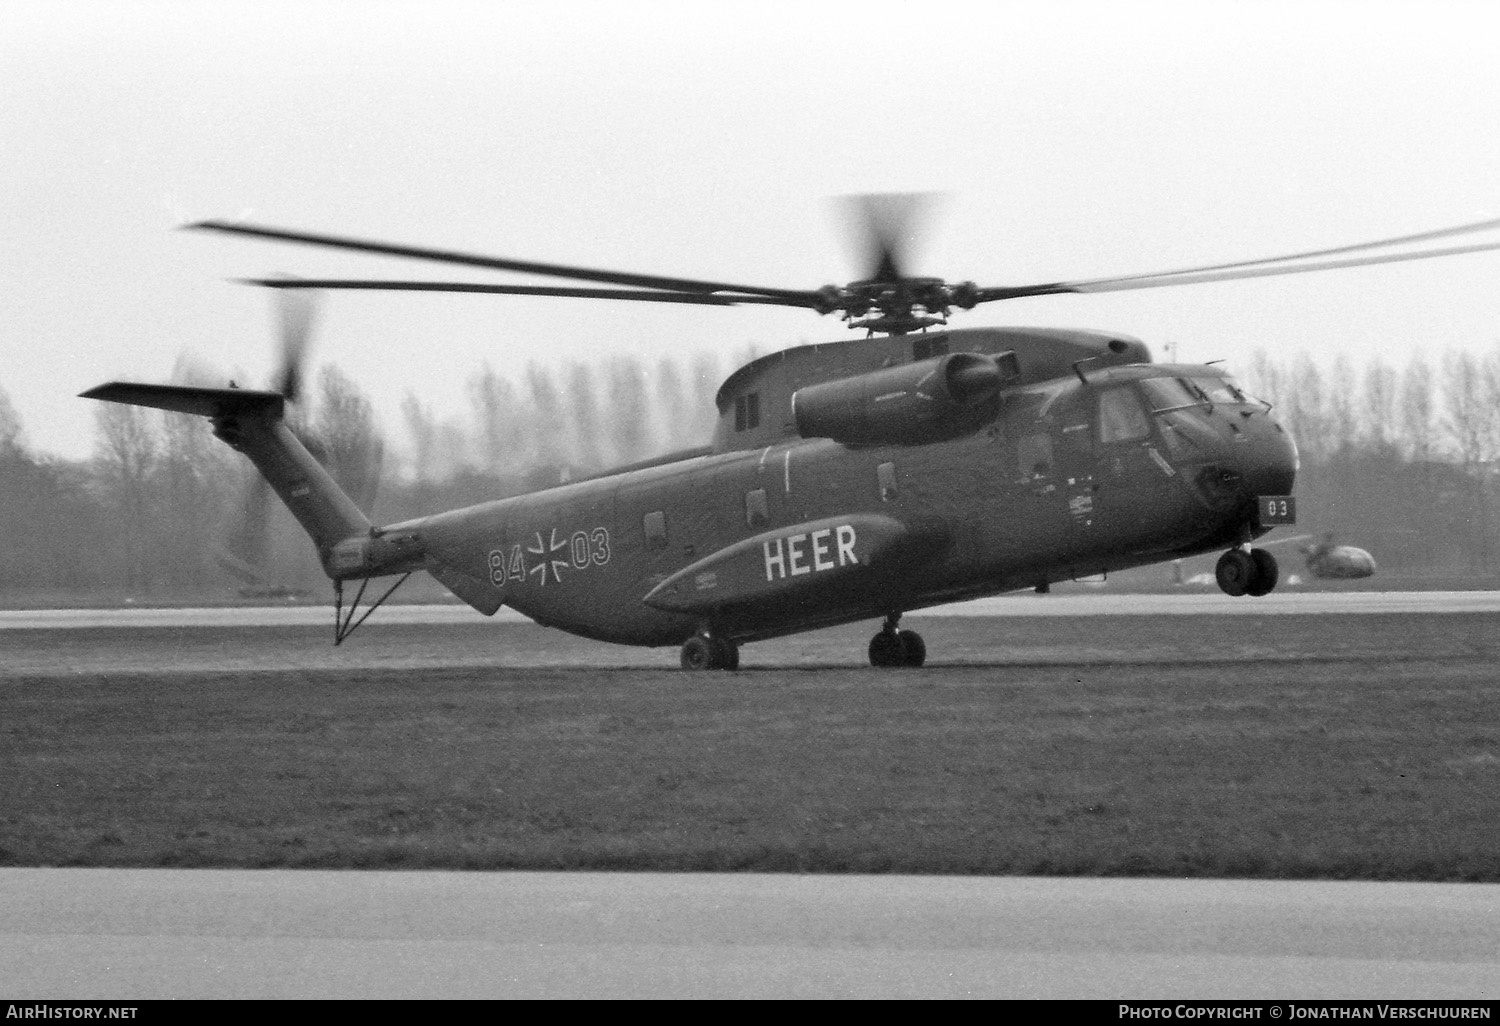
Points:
(1246, 573)
(914, 648)
(897, 648)
(729, 654)
(701, 652)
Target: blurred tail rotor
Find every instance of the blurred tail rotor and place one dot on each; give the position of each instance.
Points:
(296, 312)
(344, 439)
(246, 552)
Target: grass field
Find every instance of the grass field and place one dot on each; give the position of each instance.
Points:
(1359, 747)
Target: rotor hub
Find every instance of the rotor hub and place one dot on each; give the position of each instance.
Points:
(896, 306)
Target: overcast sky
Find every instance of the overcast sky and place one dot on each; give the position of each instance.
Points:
(1072, 140)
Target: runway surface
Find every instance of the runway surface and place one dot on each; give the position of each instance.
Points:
(160, 933)
(141, 934)
(1182, 603)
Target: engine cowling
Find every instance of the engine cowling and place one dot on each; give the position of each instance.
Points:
(926, 401)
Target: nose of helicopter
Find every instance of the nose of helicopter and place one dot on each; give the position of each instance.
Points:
(1267, 456)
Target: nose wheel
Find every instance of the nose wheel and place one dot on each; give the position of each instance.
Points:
(892, 647)
(1246, 572)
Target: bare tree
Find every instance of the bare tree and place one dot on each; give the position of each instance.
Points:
(547, 417)
(703, 384)
(1378, 407)
(503, 443)
(1470, 423)
(1418, 413)
(1265, 378)
(422, 429)
(352, 448)
(194, 478)
(675, 415)
(1305, 405)
(629, 417)
(11, 435)
(583, 413)
(1338, 406)
(127, 450)
(1468, 419)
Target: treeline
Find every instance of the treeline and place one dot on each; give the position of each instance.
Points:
(162, 507)
(1399, 460)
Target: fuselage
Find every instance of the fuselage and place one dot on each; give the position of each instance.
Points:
(1074, 476)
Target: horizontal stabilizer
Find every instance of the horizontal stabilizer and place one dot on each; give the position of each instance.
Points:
(205, 402)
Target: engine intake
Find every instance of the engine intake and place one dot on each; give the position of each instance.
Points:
(925, 401)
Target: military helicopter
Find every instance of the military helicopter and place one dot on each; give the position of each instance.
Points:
(845, 480)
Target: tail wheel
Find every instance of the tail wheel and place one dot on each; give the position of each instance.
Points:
(1266, 574)
(1235, 572)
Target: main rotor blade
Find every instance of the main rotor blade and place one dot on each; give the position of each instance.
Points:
(646, 281)
(1399, 240)
(1264, 268)
(1146, 282)
(803, 299)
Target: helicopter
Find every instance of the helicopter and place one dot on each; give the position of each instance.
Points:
(855, 479)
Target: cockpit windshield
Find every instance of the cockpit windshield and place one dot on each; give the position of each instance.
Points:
(1219, 390)
(1168, 394)
(1164, 394)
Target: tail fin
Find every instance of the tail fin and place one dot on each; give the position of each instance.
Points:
(252, 422)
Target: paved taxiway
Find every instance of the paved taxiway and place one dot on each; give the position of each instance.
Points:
(1178, 603)
(140, 934)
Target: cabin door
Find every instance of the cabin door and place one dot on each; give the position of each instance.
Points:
(1077, 482)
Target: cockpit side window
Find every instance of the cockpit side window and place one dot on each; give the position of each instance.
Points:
(1121, 418)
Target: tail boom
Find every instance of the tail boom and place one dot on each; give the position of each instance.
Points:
(253, 423)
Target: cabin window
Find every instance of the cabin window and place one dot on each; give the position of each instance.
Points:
(1034, 455)
(755, 508)
(655, 525)
(1121, 418)
(885, 474)
(747, 411)
(1010, 367)
(926, 348)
